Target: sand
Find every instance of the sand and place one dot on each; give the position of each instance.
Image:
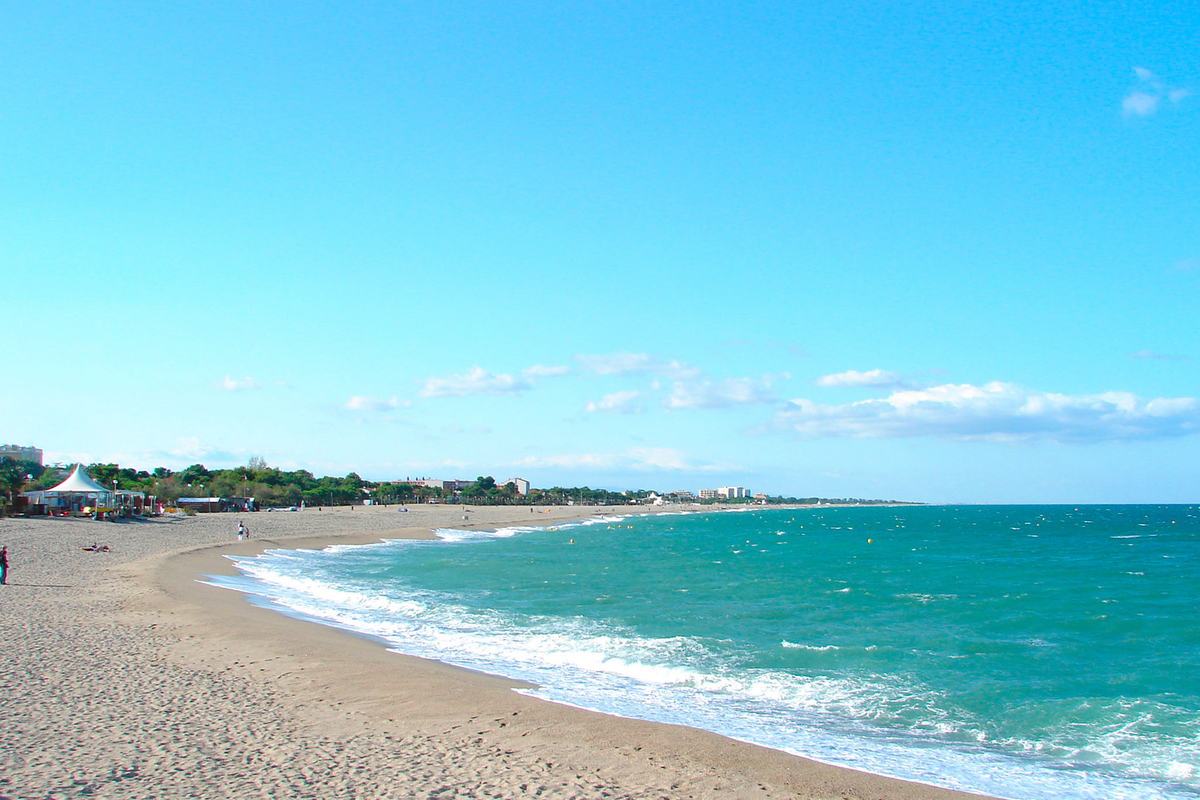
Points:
(126, 677)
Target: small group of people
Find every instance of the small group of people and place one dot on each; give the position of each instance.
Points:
(97, 548)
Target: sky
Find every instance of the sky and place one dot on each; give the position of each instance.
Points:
(942, 252)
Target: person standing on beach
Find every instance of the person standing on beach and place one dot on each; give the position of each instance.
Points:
(241, 531)
(3, 565)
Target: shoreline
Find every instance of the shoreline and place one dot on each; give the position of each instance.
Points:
(465, 728)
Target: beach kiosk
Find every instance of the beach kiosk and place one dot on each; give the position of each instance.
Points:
(79, 494)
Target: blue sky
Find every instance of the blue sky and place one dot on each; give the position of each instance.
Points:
(929, 251)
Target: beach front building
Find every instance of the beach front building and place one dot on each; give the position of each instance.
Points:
(520, 484)
(16, 452)
(428, 483)
(732, 492)
(707, 494)
(212, 505)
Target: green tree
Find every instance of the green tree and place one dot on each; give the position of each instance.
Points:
(195, 474)
(13, 476)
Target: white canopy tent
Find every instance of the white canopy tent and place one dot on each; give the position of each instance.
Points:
(79, 482)
(80, 485)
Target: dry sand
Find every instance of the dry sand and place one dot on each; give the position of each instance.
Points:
(125, 677)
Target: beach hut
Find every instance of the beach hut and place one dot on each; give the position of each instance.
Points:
(79, 491)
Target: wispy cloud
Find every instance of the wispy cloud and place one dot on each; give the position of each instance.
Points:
(1151, 355)
(1145, 97)
(1139, 103)
(190, 448)
(543, 371)
(721, 394)
(477, 381)
(362, 402)
(638, 459)
(617, 403)
(636, 364)
(994, 412)
(237, 384)
(872, 377)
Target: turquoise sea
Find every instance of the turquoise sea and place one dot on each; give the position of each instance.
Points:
(1017, 651)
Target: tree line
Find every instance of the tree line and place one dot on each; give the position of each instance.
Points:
(271, 486)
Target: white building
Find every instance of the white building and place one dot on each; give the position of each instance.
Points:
(521, 485)
(708, 494)
(733, 492)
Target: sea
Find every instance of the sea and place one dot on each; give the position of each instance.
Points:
(1024, 652)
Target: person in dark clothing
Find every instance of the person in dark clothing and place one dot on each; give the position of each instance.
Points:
(3, 565)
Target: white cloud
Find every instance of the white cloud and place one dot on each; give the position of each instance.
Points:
(543, 371)
(636, 364)
(237, 384)
(872, 377)
(477, 381)
(995, 412)
(721, 394)
(362, 402)
(1144, 99)
(617, 403)
(1140, 103)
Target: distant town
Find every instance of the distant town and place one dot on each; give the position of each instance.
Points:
(31, 487)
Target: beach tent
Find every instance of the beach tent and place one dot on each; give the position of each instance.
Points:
(80, 484)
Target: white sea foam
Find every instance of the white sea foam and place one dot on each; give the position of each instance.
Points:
(818, 648)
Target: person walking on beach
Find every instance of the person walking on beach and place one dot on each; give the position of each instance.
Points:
(241, 531)
(3, 565)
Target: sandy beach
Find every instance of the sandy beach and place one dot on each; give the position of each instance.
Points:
(125, 676)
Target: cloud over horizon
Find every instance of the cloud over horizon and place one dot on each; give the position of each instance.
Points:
(994, 412)
(721, 393)
(477, 381)
(638, 459)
